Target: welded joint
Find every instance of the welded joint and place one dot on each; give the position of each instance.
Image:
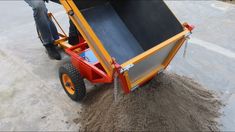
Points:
(127, 68)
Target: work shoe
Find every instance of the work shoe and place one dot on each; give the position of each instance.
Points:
(52, 52)
(73, 40)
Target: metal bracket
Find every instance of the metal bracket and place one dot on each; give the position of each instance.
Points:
(127, 68)
(70, 12)
(187, 36)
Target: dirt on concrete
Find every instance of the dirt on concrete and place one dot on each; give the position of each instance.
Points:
(168, 103)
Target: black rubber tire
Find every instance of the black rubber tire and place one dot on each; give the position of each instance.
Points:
(76, 78)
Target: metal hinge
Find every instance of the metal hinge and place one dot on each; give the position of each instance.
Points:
(127, 68)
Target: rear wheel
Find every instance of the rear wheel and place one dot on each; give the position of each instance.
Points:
(72, 82)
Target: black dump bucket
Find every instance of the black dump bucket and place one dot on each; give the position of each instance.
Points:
(128, 28)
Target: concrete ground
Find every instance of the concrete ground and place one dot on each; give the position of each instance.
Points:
(32, 98)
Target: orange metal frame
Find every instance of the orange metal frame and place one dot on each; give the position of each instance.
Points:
(181, 38)
(89, 35)
(103, 71)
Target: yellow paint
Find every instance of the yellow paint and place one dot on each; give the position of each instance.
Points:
(52, 17)
(65, 45)
(89, 35)
(173, 52)
(180, 38)
(146, 77)
(68, 84)
(63, 39)
(127, 79)
(154, 49)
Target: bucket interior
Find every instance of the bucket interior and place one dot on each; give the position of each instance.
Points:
(128, 28)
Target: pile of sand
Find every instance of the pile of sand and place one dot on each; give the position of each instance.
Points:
(168, 103)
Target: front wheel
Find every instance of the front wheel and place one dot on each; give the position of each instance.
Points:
(72, 82)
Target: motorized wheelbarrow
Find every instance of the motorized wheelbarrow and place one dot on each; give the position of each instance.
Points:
(129, 40)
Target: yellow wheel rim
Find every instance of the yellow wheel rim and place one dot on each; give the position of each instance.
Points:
(68, 84)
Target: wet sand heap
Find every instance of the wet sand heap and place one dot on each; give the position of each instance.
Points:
(169, 103)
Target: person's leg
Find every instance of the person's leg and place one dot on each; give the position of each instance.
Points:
(81, 4)
(52, 25)
(45, 26)
(54, 30)
(73, 34)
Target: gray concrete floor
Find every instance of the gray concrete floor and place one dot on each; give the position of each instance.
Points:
(211, 51)
(30, 92)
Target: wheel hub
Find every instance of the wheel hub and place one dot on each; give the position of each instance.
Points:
(68, 84)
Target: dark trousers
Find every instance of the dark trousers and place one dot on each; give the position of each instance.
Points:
(46, 27)
(72, 29)
(81, 4)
